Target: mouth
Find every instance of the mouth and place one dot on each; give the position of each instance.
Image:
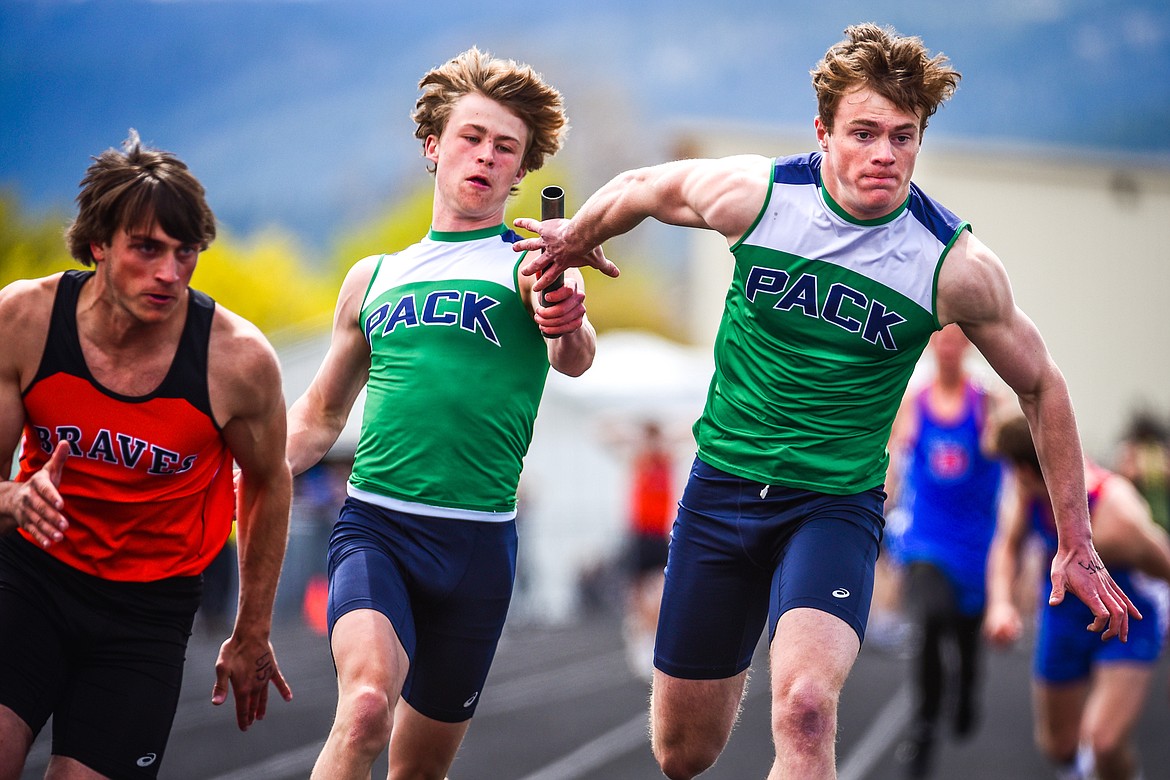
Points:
(479, 181)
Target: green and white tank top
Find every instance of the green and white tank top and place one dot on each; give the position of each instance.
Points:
(824, 321)
(457, 369)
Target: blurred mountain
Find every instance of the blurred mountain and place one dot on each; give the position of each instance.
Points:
(296, 113)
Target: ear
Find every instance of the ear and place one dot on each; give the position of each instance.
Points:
(97, 250)
(431, 148)
(822, 134)
(520, 174)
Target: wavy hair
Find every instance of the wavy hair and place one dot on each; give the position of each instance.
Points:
(897, 67)
(514, 85)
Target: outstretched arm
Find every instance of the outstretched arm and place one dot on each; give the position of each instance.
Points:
(723, 195)
(247, 383)
(974, 291)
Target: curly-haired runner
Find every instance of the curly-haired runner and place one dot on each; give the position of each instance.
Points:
(843, 270)
(456, 348)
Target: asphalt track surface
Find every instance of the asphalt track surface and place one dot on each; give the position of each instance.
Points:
(562, 704)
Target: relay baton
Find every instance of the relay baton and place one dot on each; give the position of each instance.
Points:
(552, 206)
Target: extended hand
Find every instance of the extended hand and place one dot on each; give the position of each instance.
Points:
(248, 665)
(38, 503)
(1082, 572)
(551, 252)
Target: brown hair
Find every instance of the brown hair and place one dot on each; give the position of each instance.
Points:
(896, 67)
(138, 187)
(516, 86)
(1013, 442)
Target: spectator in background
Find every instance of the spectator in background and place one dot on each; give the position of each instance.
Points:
(949, 487)
(652, 503)
(1144, 459)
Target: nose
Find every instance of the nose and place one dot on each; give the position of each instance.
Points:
(167, 269)
(883, 150)
(487, 154)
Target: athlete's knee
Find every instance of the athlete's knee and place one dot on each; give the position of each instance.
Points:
(804, 713)
(682, 750)
(1110, 747)
(368, 717)
(684, 759)
(1057, 749)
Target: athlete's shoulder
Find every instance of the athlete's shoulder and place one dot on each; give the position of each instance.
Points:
(26, 307)
(934, 216)
(238, 347)
(22, 295)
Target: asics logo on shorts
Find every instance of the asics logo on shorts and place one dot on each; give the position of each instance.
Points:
(147, 760)
(840, 593)
(471, 701)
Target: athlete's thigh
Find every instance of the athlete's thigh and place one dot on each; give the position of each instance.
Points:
(422, 746)
(15, 740)
(1058, 709)
(697, 714)
(117, 712)
(814, 648)
(33, 663)
(715, 596)
(828, 563)
(459, 619)
(365, 572)
(368, 654)
(1116, 699)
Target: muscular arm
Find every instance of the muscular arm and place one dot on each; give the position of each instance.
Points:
(317, 418)
(35, 505)
(246, 389)
(974, 291)
(724, 195)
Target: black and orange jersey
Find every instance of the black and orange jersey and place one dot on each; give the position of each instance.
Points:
(148, 485)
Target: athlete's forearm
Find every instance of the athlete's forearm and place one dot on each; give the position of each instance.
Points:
(262, 535)
(572, 354)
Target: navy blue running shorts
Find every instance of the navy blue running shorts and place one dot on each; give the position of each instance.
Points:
(1065, 651)
(743, 552)
(443, 584)
(104, 658)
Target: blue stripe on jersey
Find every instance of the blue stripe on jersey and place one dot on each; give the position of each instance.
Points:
(798, 169)
(933, 215)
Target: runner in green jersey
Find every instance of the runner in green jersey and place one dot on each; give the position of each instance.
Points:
(449, 334)
(843, 269)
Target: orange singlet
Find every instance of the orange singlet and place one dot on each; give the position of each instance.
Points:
(148, 484)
